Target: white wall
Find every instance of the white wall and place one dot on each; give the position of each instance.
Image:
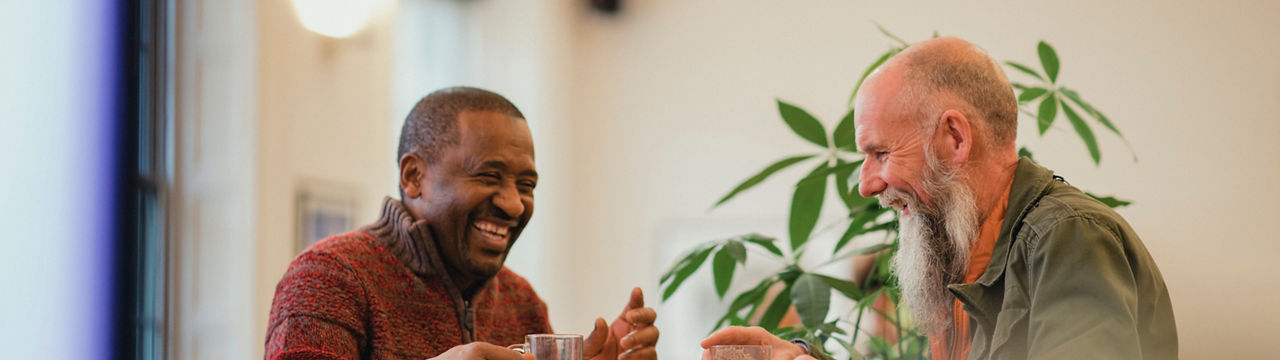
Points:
(322, 113)
(673, 106)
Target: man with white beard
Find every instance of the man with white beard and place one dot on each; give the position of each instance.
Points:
(999, 257)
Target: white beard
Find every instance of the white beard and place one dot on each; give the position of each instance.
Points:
(934, 244)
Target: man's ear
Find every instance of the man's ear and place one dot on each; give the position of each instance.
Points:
(957, 134)
(412, 169)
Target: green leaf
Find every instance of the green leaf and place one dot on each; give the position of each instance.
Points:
(856, 200)
(806, 205)
(687, 269)
(722, 266)
(872, 249)
(888, 225)
(893, 293)
(1048, 59)
(1110, 201)
(842, 182)
(736, 250)
(751, 297)
(892, 36)
(880, 346)
(1098, 115)
(757, 178)
(1085, 133)
(860, 220)
(803, 124)
(765, 242)
(1031, 94)
(790, 273)
(859, 251)
(790, 332)
(884, 57)
(822, 175)
(849, 289)
(1023, 152)
(812, 297)
(778, 308)
(1025, 69)
(1088, 108)
(844, 133)
(1048, 112)
(685, 258)
(831, 328)
(912, 347)
(853, 230)
(883, 272)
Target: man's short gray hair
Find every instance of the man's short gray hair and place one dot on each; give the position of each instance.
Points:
(972, 77)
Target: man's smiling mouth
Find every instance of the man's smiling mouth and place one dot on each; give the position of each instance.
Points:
(493, 236)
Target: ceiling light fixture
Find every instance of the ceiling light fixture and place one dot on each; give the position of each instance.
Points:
(336, 18)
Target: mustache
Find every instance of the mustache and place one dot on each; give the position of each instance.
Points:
(891, 196)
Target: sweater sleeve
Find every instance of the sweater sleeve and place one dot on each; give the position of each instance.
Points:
(318, 311)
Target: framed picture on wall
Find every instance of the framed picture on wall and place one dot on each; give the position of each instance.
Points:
(322, 210)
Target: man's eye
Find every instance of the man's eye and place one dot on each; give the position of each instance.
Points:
(880, 155)
(491, 176)
(528, 185)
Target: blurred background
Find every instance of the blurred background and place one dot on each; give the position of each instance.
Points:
(163, 161)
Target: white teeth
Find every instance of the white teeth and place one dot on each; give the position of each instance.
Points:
(491, 228)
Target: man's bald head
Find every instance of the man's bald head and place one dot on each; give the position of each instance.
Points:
(937, 123)
(949, 73)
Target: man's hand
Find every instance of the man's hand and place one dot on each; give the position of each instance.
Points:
(482, 351)
(755, 335)
(630, 336)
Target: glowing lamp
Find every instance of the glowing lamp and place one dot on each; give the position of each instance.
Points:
(336, 18)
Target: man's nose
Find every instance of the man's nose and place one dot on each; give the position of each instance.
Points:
(869, 181)
(508, 200)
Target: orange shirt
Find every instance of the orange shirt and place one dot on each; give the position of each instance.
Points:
(979, 257)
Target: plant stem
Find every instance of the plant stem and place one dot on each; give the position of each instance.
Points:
(898, 317)
(857, 325)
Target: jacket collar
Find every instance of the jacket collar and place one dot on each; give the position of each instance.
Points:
(1030, 183)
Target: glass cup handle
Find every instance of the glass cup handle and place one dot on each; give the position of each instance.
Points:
(518, 347)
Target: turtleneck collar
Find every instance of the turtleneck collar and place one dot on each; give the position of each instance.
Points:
(407, 239)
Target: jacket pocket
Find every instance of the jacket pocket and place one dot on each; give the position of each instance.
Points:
(1009, 335)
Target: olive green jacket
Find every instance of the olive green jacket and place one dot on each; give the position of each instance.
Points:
(1068, 279)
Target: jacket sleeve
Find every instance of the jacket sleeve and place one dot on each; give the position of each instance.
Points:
(813, 351)
(318, 311)
(1083, 296)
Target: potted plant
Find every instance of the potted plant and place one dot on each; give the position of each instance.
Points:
(835, 165)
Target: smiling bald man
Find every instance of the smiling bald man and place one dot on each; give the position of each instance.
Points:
(1000, 258)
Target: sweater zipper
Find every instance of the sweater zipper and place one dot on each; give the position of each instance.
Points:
(468, 322)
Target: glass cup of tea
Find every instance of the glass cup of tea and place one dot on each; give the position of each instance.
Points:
(551, 346)
(741, 352)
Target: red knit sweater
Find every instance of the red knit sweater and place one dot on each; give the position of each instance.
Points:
(382, 293)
